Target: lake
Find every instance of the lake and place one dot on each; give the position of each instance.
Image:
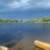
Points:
(23, 34)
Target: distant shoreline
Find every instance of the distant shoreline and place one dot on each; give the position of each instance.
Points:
(33, 20)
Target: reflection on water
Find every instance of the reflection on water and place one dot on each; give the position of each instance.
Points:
(24, 34)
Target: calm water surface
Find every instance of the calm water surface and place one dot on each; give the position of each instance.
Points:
(24, 34)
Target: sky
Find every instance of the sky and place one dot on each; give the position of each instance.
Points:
(24, 8)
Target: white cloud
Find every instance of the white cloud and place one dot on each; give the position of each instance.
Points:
(43, 4)
(30, 4)
(20, 4)
(24, 4)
